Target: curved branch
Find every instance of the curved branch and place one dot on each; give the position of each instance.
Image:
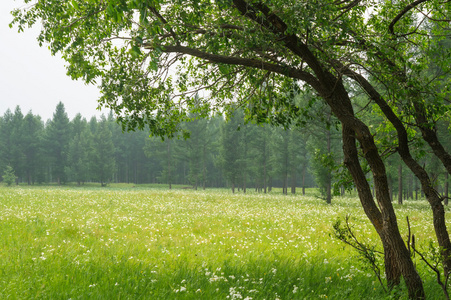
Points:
(402, 13)
(246, 62)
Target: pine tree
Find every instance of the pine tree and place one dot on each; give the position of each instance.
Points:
(32, 136)
(57, 142)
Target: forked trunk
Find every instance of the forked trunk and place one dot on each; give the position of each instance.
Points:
(384, 220)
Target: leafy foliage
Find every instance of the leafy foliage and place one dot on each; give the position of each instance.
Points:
(9, 177)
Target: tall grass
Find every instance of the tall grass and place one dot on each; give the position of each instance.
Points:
(126, 242)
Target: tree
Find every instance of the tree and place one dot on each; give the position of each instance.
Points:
(9, 177)
(18, 144)
(231, 153)
(260, 154)
(196, 151)
(80, 152)
(281, 162)
(102, 160)
(57, 142)
(165, 152)
(33, 160)
(241, 45)
(5, 138)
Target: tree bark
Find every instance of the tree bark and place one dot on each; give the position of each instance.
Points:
(351, 161)
(303, 178)
(169, 163)
(329, 178)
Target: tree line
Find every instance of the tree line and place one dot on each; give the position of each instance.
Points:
(218, 153)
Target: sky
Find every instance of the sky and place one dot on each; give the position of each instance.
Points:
(33, 79)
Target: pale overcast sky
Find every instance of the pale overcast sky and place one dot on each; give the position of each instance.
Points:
(34, 79)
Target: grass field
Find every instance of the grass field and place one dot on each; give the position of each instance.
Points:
(125, 242)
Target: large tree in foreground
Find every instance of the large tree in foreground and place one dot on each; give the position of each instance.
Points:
(249, 54)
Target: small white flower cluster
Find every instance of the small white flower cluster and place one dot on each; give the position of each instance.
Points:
(234, 294)
(182, 288)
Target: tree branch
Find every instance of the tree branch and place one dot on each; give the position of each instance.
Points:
(246, 62)
(402, 13)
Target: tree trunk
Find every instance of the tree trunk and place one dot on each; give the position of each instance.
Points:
(204, 168)
(445, 193)
(415, 182)
(397, 257)
(403, 149)
(329, 177)
(411, 179)
(351, 161)
(169, 164)
(342, 108)
(400, 184)
(303, 179)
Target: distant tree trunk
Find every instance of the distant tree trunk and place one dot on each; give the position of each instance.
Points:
(303, 178)
(204, 169)
(411, 186)
(400, 184)
(293, 180)
(415, 182)
(169, 164)
(329, 193)
(445, 193)
(329, 178)
(135, 180)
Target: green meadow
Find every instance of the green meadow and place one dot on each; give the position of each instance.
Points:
(126, 242)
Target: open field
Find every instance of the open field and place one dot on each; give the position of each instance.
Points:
(129, 242)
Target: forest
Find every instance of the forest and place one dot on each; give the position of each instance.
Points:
(216, 153)
(219, 152)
